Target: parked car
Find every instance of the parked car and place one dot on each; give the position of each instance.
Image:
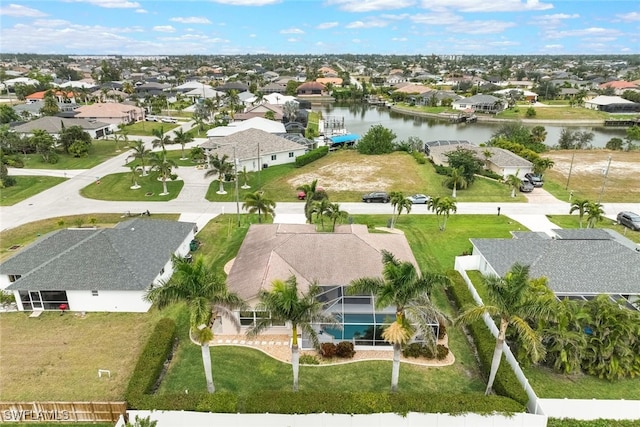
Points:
(526, 186)
(534, 179)
(168, 120)
(419, 199)
(151, 118)
(376, 196)
(629, 219)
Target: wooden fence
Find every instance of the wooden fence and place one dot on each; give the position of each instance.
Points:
(61, 411)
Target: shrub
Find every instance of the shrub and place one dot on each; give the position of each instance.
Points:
(411, 350)
(309, 359)
(151, 361)
(312, 156)
(328, 349)
(420, 157)
(442, 331)
(345, 350)
(441, 352)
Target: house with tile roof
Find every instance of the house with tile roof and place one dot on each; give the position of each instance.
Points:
(96, 269)
(261, 123)
(578, 263)
(111, 112)
(54, 125)
(330, 260)
(480, 103)
(255, 149)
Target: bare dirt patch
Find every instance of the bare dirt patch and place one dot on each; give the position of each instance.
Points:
(589, 169)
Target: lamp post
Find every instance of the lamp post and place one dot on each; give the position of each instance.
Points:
(235, 162)
(605, 172)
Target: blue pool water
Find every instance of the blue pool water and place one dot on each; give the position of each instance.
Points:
(356, 325)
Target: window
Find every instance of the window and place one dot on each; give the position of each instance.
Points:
(162, 271)
(249, 317)
(14, 277)
(94, 293)
(273, 156)
(291, 154)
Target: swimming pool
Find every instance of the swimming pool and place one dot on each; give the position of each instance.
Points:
(360, 325)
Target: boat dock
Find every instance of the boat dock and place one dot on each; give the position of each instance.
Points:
(622, 122)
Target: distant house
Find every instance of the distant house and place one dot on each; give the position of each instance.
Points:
(260, 123)
(255, 149)
(578, 263)
(260, 110)
(612, 104)
(435, 97)
(89, 269)
(229, 86)
(53, 125)
(60, 96)
(620, 86)
(481, 104)
(502, 162)
(312, 88)
(273, 87)
(277, 251)
(111, 112)
(336, 81)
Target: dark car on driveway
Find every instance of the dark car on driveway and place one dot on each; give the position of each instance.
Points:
(526, 186)
(536, 180)
(376, 196)
(629, 219)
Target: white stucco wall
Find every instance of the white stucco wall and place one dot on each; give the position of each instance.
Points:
(4, 281)
(282, 158)
(112, 301)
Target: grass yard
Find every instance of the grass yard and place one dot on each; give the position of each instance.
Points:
(117, 187)
(174, 154)
(100, 151)
(622, 184)
(57, 357)
(27, 233)
(346, 175)
(27, 186)
(573, 221)
(244, 371)
(562, 113)
(145, 128)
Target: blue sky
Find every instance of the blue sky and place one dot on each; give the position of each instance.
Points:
(230, 27)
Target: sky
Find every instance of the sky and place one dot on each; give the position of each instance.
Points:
(403, 27)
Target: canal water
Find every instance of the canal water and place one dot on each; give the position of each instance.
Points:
(358, 119)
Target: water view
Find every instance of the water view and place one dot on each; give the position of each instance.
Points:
(360, 117)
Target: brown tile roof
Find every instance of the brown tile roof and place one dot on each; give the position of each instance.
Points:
(276, 251)
(106, 109)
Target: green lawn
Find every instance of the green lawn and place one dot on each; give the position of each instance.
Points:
(117, 187)
(145, 128)
(553, 113)
(100, 151)
(27, 186)
(573, 221)
(175, 154)
(399, 171)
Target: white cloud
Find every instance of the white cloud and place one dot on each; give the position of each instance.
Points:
(444, 18)
(247, 2)
(50, 23)
(292, 31)
(191, 20)
(112, 4)
(371, 23)
(370, 5)
(356, 41)
(629, 17)
(553, 46)
(399, 39)
(481, 27)
(584, 32)
(326, 25)
(20, 11)
(141, 11)
(164, 29)
(553, 20)
(504, 43)
(293, 39)
(486, 6)
(253, 36)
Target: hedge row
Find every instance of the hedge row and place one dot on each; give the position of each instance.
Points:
(278, 402)
(151, 361)
(311, 156)
(564, 422)
(506, 382)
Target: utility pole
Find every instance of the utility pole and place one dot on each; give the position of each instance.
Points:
(235, 165)
(604, 180)
(566, 187)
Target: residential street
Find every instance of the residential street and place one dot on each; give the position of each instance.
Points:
(64, 199)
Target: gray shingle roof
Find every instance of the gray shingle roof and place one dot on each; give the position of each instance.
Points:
(53, 124)
(127, 257)
(246, 143)
(573, 265)
(273, 251)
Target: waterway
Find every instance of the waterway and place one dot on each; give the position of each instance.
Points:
(358, 118)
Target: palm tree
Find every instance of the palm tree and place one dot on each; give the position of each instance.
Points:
(487, 153)
(161, 140)
(140, 152)
(456, 179)
(256, 202)
(207, 298)
(182, 138)
(285, 303)
(408, 290)
(595, 213)
(514, 182)
(244, 175)
(221, 167)
(579, 205)
(290, 110)
(538, 134)
(164, 166)
(516, 302)
(309, 191)
(399, 202)
(564, 338)
(542, 164)
(442, 207)
(320, 208)
(334, 213)
(134, 177)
